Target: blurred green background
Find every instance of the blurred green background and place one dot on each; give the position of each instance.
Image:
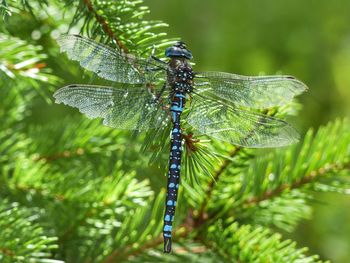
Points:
(306, 39)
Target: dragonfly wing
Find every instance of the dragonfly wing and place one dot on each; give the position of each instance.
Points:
(238, 126)
(255, 92)
(106, 62)
(131, 109)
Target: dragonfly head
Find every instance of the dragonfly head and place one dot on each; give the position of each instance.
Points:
(178, 50)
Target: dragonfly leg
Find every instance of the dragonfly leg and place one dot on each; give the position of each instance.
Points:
(158, 60)
(161, 92)
(152, 56)
(154, 68)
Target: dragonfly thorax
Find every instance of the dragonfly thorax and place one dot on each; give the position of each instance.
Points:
(180, 75)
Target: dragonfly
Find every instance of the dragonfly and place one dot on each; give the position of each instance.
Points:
(151, 93)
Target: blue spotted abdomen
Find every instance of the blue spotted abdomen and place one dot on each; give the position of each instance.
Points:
(176, 109)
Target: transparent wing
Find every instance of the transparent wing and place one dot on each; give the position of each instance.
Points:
(239, 127)
(255, 92)
(106, 62)
(132, 109)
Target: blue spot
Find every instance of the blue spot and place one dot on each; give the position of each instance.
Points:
(174, 147)
(178, 167)
(173, 166)
(167, 235)
(171, 185)
(167, 218)
(175, 130)
(173, 115)
(172, 219)
(176, 108)
(179, 95)
(177, 186)
(167, 228)
(174, 203)
(170, 202)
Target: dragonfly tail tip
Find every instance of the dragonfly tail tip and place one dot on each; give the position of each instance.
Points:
(167, 244)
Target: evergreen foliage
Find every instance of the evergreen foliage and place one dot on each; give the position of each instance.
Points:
(72, 190)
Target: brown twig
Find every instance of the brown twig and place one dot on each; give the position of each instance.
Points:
(118, 254)
(297, 184)
(39, 191)
(216, 177)
(7, 252)
(64, 154)
(104, 24)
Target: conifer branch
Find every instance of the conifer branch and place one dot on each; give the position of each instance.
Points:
(40, 191)
(181, 231)
(120, 254)
(77, 182)
(309, 178)
(104, 24)
(62, 155)
(69, 231)
(225, 164)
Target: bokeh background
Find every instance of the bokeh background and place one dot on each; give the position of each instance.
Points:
(306, 39)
